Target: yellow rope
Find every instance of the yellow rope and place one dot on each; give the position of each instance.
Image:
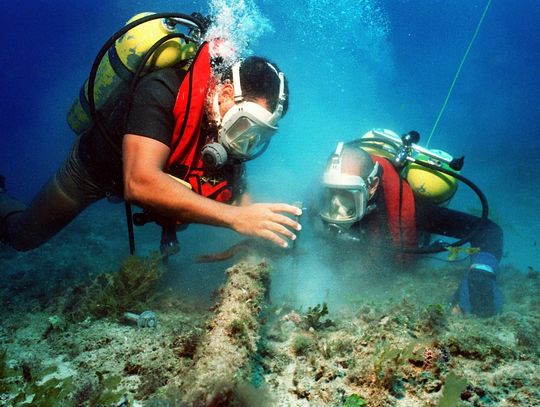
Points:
(458, 72)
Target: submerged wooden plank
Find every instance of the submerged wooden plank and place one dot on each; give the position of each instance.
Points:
(222, 361)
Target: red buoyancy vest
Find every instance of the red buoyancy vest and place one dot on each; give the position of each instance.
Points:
(187, 147)
(399, 201)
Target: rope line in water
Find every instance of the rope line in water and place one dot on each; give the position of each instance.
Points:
(458, 71)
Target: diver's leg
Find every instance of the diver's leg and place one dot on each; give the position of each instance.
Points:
(478, 292)
(62, 198)
(431, 218)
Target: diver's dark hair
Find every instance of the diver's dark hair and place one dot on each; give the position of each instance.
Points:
(260, 81)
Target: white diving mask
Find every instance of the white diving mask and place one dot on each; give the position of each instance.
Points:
(247, 127)
(344, 198)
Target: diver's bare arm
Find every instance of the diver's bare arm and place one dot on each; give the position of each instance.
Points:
(147, 185)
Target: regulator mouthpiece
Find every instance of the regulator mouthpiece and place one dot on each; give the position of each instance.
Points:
(214, 155)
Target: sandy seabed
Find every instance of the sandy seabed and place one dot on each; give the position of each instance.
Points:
(402, 350)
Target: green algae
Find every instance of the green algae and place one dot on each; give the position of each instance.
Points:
(302, 344)
(134, 285)
(313, 316)
(452, 389)
(433, 319)
(455, 251)
(38, 387)
(355, 400)
(41, 387)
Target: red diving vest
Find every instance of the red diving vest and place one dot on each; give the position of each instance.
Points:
(187, 142)
(399, 201)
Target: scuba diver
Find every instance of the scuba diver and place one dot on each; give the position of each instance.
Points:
(367, 202)
(175, 143)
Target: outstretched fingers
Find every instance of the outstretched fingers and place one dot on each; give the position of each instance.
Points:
(276, 232)
(280, 207)
(272, 222)
(279, 226)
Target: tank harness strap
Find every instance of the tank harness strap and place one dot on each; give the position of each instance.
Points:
(83, 100)
(118, 66)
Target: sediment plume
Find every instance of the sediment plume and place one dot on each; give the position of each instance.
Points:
(222, 367)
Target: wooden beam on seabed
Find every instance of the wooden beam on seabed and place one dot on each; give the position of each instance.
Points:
(222, 362)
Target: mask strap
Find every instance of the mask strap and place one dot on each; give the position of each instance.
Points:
(236, 83)
(369, 180)
(281, 95)
(373, 173)
(215, 108)
(335, 163)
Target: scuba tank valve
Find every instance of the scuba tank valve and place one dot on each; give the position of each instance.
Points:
(429, 184)
(405, 151)
(432, 175)
(121, 56)
(408, 143)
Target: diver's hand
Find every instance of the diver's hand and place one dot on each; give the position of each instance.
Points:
(266, 221)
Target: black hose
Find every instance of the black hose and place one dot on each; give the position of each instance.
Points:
(131, 235)
(483, 218)
(94, 114)
(138, 72)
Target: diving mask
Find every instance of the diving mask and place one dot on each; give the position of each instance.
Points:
(344, 200)
(247, 127)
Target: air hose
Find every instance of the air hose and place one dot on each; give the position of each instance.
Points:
(96, 119)
(403, 157)
(441, 247)
(94, 114)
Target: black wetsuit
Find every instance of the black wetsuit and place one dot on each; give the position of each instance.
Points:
(373, 235)
(93, 170)
(148, 113)
(434, 219)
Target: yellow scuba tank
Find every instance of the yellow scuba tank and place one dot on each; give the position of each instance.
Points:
(426, 184)
(434, 186)
(116, 68)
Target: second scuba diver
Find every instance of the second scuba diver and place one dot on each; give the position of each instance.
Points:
(367, 203)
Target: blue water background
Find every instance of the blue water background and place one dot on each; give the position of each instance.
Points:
(351, 65)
